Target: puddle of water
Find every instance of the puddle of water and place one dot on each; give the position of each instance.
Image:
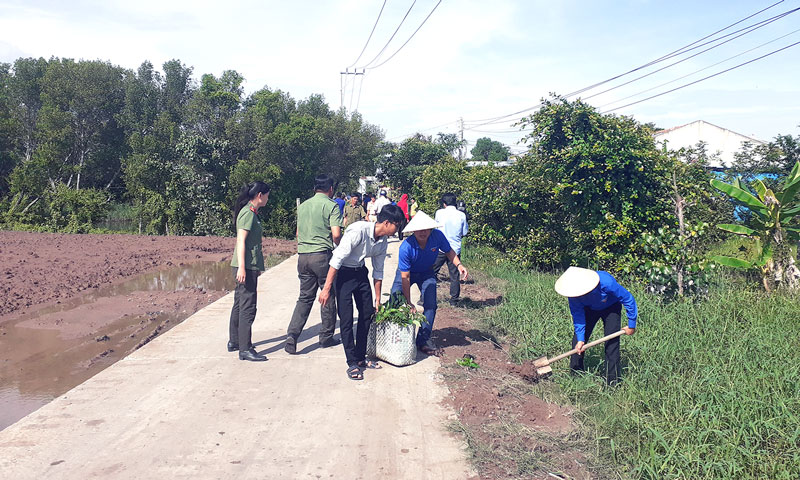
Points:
(41, 358)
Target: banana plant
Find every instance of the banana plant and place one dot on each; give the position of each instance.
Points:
(770, 226)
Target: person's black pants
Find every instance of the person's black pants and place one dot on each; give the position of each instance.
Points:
(353, 285)
(243, 312)
(455, 277)
(611, 324)
(312, 269)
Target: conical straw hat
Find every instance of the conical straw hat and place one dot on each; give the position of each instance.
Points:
(577, 281)
(421, 221)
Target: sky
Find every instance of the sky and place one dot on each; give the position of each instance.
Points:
(472, 59)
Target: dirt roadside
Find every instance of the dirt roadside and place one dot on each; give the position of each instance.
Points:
(511, 432)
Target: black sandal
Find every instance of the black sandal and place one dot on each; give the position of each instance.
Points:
(369, 364)
(355, 373)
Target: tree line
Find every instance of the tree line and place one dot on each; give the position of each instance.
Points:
(81, 140)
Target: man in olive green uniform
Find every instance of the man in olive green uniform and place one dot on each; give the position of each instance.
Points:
(353, 211)
(319, 229)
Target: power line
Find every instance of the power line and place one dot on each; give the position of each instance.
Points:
(392, 37)
(652, 62)
(409, 38)
(698, 71)
(358, 102)
(754, 28)
(704, 78)
(370, 36)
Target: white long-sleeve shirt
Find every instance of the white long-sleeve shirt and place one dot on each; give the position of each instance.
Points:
(358, 243)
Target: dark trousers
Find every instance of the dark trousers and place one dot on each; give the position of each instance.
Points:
(312, 269)
(243, 312)
(353, 285)
(455, 277)
(426, 281)
(611, 324)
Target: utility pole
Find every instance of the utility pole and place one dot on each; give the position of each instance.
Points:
(461, 146)
(342, 82)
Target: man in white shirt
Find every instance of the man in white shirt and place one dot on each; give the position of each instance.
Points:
(361, 240)
(454, 227)
(381, 202)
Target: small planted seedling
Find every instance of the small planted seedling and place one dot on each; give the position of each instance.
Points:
(468, 361)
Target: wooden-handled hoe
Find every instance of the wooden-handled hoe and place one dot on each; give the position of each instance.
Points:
(542, 364)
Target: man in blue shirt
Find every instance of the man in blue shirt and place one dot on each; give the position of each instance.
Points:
(594, 296)
(454, 227)
(415, 266)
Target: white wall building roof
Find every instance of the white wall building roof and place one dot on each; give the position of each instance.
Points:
(718, 140)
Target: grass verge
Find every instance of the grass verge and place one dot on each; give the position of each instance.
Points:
(711, 388)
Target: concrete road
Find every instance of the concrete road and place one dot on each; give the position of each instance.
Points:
(183, 407)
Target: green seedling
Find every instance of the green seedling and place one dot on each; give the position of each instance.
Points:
(397, 311)
(468, 361)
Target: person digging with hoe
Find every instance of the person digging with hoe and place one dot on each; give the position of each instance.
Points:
(595, 295)
(362, 239)
(415, 266)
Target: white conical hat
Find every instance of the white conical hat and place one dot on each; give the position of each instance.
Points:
(421, 221)
(577, 281)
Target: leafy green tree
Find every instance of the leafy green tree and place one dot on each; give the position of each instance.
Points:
(406, 162)
(489, 150)
(605, 173)
(771, 227)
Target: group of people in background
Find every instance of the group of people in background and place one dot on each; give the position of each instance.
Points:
(335, 236)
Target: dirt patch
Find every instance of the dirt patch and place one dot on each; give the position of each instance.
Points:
(74, 304)
(41, 268)
(511, 432)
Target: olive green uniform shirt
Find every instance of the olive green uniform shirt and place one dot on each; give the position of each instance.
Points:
(253, 256)
(353, 214)
(315, 217)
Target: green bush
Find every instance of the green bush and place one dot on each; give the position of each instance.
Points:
(76, 211)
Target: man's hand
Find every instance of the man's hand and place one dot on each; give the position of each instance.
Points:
(377, 304)
(240, 275)
(629, 330)
(412, 308)
(463, 271)
(324, 296)
(579, 347)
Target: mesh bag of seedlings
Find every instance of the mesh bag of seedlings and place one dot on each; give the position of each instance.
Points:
(392, 335)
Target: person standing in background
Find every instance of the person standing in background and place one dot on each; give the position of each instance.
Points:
(341, 202)
(413, 208)
(371, 206)
(247, 264)
(454, 227)
(353, 211)
(319, 229)
(381, 202)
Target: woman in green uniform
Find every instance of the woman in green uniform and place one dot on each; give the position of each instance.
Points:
(247, 263)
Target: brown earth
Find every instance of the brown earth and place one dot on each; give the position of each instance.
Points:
(512, 432)
(38, 268)
(71, 305)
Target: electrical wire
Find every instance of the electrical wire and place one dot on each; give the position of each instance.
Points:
(392, 37)
(698, 71)
(652, 62)
(754, 28)
(361, 84)
(704, 78)
(370, 36)
(409, 38)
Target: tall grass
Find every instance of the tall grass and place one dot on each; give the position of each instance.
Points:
(711, 389)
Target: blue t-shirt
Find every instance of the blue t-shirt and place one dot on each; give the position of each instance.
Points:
(607, 293)
(341, 203)
(414, 259)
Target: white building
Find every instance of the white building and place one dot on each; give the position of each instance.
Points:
(718, 140)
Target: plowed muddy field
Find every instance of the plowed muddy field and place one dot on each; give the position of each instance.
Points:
(71, 305)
